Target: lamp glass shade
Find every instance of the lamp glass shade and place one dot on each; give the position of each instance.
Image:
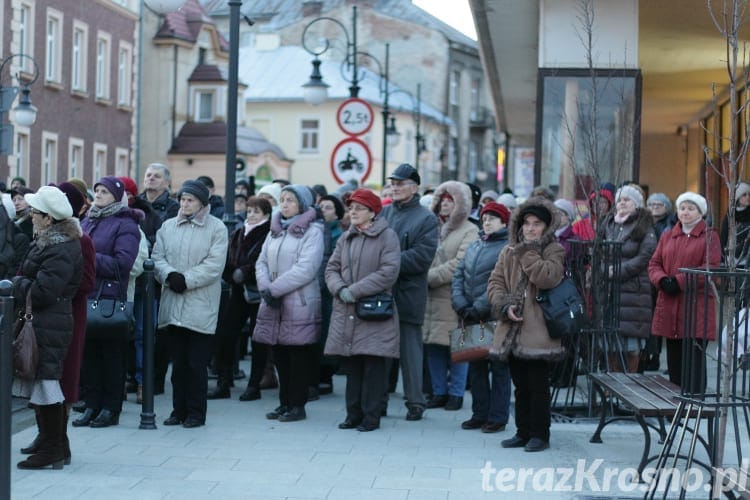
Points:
(315, 93)
(164, 6)
(24, 114)
(393, 138)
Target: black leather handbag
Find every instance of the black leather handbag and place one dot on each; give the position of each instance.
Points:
(110, 319)
(378, 307)
(563, 309)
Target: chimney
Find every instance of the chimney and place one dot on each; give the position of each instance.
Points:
(312, 8)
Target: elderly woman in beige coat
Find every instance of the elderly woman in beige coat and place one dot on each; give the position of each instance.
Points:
(366, 262)
(452, 205)
(533, 261)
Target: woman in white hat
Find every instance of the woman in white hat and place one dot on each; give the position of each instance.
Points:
(49, 275)
(690, 243)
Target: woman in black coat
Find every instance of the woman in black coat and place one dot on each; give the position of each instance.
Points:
(50, 275)
(244, 249)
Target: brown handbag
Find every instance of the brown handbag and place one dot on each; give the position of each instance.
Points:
(472, 343)
(25, 352)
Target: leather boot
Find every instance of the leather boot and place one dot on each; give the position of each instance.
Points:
(223, 383)
(633, 360)
(64, 434)
(50, 451)
(269, 380)
(33, 447)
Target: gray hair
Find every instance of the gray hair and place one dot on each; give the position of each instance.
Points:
(163, 168)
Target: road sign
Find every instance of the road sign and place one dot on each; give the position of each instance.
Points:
(355, 116)
(351, 159)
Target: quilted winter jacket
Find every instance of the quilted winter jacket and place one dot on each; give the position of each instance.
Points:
(52, 272)
(541, 265)
(288, 268)
(469, 287)
(366, 262)
(638, 244)
(456, 233)
(197, 248)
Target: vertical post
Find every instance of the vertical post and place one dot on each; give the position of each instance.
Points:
(148, 417)
(386, 113)
(418, 119)
(6, 374)
(354, 89)
(231, 147)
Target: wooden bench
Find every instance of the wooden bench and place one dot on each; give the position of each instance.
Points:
(643, 396)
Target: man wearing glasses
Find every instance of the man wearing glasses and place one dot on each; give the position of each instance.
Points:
(417, 229)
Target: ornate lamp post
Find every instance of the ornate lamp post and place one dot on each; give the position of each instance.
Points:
(24, 113)
(416, 113)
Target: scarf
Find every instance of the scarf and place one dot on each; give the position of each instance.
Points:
(688, 228)
(250, 227)
(621, 217)
(285, 223)
(101, 212)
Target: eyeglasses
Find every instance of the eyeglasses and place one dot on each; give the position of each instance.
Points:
(396, 183)
(353, 208)
(656, 204)
(34, 211)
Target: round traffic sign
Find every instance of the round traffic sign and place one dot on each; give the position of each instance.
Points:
(351, 159)
(355, 116)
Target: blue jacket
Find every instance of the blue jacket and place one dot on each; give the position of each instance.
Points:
(116, 240)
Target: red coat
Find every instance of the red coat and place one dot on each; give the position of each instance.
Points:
(675, 250)
(72, 365)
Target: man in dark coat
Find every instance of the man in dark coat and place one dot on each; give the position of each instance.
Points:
(417, 230)
(156, 184)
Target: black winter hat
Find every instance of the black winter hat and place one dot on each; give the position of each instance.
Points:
(476, 195)
(197, 189)
(337, 205)
(541, 212)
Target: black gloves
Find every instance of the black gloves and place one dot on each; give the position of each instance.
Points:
(176, 282)
(269, 299)
(669, 285)
(469, 315)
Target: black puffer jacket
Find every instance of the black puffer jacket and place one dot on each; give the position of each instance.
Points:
(638, 239)
(52, 272)
(469, 287)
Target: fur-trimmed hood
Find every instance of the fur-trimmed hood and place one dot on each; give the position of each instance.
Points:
(461, 194)
(60, 232)
(516, 224)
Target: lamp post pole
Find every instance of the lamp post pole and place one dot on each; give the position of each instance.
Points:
(386, 113)
(25, 112)
(231, 146)
(417, 119)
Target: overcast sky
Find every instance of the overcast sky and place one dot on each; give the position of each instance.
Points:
(453, 12)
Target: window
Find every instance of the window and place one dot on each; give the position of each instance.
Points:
(100, 160)
(26, 35)
(454, 87)
(49, 158)
(78, 61)
(102, 66)
(475, 86)
(124, 74)
(121, 162)
(310, 130)
(53, 71)
(22, 152)
(204, 106)
(75, 158)
(599, 140)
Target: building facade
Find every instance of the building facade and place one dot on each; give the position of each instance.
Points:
(85, 54)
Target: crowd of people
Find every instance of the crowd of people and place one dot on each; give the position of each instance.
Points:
(289, 280)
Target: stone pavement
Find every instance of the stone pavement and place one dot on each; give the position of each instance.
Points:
(241, 455)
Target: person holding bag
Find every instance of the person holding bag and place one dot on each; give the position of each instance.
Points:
(490, 402)
(365, 263)
(244, 249)
(532, 261)
(49, 275)
(113, 227)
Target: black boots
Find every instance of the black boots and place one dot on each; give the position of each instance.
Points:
(220, 392)
(33, 447)
(105, 418)
(85, 419)
(250, 394)
(50, 450)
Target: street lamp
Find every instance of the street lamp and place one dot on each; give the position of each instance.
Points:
(24, 113)
(417, 116)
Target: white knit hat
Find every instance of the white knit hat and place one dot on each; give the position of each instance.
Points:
(508, 200)
(694, 198)
(273, 190)
(628, 191)
(742, 188)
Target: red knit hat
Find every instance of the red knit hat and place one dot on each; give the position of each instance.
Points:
(130, 186)
(496, 209)
(604, 193)
(367, 198)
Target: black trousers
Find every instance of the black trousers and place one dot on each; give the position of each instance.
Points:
(229, 332)
(258, 360)
(365, 385)
(293, 364)
(533, 414)
(103, 374)
(190, 352)
(686, 363)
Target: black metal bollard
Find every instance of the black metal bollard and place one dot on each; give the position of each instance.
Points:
(6, 380)
(148, 417)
